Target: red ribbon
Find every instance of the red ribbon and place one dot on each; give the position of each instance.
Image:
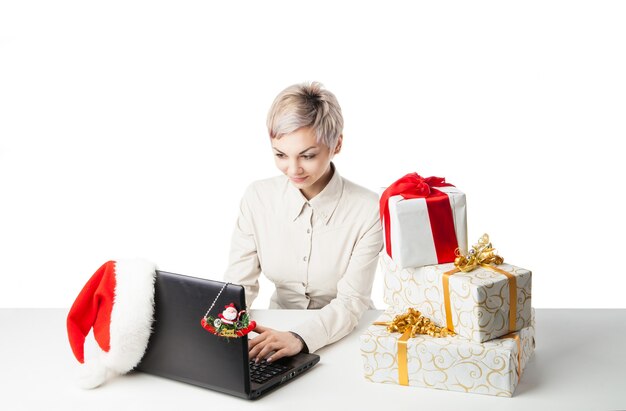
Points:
(439, 211)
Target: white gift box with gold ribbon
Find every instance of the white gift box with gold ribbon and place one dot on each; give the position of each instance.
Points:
(475, 305)
(452, 363)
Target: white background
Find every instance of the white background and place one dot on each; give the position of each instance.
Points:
(131, 129)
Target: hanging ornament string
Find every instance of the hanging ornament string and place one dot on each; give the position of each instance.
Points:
(230, 323)
(214, 301)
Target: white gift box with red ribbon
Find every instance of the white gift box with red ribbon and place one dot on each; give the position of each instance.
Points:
(411, 232)
(424, 221)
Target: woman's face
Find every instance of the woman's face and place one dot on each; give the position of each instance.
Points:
(305, 162)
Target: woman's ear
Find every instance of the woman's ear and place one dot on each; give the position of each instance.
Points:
(339, 142)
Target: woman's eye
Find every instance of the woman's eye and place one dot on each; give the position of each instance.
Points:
(308, 157)
(279, 155)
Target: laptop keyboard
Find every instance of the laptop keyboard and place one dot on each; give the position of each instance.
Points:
(263, 371)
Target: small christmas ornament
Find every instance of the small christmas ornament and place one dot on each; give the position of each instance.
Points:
(230, 323)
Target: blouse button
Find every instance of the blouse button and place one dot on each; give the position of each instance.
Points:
(304, 258)
(308, 231)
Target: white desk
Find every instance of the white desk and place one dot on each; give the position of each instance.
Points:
(572, 369)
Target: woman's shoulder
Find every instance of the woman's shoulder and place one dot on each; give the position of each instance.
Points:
(264, 189)
(355, 190)
(356, 194)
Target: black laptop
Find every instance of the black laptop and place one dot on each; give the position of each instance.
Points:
(181, 349)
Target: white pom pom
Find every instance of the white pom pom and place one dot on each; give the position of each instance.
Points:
(92, 374)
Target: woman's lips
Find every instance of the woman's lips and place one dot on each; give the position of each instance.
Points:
(298, 180)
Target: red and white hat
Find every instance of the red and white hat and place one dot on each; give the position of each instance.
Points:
(118, 303)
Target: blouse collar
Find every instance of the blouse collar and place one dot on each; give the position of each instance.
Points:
(323, 204)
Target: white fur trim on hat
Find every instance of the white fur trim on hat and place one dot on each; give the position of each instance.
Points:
(130, 324)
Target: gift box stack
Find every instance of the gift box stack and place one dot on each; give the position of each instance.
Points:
(457, 319)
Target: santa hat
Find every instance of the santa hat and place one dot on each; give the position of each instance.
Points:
(118, 303)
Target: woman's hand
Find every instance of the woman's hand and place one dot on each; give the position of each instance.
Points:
(282, 343)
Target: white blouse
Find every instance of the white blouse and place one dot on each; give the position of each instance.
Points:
(320, 253)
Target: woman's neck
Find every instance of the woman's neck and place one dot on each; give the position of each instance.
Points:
(319, 185)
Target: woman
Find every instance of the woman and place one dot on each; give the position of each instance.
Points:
(314, 234)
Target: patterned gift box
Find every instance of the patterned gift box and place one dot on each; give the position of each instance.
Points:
(424, 221)
(479, 300)
(451, 363)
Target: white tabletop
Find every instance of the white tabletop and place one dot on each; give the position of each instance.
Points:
(579, 363)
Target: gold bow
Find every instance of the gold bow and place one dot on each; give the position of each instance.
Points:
(410, 324)
(481, 253)
(414, 322)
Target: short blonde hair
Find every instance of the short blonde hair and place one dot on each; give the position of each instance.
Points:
(306, 105)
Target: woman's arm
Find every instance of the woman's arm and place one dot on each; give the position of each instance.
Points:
(354, 289)
(244, 267)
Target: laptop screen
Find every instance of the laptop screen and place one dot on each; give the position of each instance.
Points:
(181, 349)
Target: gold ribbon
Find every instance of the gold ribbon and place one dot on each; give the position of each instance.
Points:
(403, 361)
(483, 255)
(410, 324)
